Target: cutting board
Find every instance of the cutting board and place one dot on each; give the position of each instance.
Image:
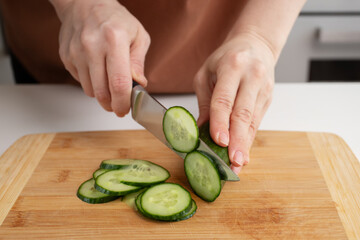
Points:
(298, 185)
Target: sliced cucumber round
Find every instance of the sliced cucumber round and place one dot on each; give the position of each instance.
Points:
(110, 184)
(203, 175)
(222, 152)
(89, 194)
(138, 205)
(186, 215)
(99, 172)
(180, 129)
(117, 163)
(189, 213)
(139, 174)
(166, 201)
(143, 173)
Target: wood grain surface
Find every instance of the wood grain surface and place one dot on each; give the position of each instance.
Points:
(295, 187)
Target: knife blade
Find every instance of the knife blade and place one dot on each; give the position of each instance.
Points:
(149, 113)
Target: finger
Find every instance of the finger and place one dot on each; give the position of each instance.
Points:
(138, 52)
(72, 70)
(262, 103)
(84, 79)
(99, 81)
(240, 121)
(236, 170)
(119, 78)
(222, 103)
(65, 58)
(203, 94)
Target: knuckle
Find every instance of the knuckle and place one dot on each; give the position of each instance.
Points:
(222, 103)
(243, 115)
(258, 69)
(119, 83)
(269, 86)
(113, 34)
(139, 64)
(87, 40)
(236, 59)
(253, 125)
(204, 108)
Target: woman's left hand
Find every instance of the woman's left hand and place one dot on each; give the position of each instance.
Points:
(234, 89)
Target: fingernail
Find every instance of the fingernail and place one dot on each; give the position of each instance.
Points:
(238, 159)
(223, 138)
(236, 170)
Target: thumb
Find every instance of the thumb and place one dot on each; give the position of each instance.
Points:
(138, 52)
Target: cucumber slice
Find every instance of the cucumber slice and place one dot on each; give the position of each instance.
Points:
(189, 213)
(222, 152)
(138, 205)
(129, 199)
(143, 173)
(166, 201)
(203, 175)
(186, 215)
(89, 194)
(99, 172)
(139, 173)
(109, 183)
(180, 129)
(116, 163)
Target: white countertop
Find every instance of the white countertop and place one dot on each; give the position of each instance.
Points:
(320, 107)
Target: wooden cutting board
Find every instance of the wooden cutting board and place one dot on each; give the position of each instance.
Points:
(298, 186)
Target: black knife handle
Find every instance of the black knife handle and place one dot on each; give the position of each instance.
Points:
(135, 84)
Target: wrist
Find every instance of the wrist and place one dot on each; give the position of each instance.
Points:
(256, 38)
(256, 44)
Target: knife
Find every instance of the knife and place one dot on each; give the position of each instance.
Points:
(149, 113)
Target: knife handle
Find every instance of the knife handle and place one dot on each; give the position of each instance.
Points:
(135, 84)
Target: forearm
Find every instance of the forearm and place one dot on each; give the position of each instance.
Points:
(268, 20)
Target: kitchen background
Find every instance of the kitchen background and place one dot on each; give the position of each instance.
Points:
(324, 45)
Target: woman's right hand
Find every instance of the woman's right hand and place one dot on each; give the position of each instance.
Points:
(103, 46)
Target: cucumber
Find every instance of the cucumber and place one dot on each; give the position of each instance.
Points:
(180, 129)
(166, 202)
(139, 173)
(109, 183)
(116, 163)
(138, 205)
(222, 152)
(89, 194)
(99, 172)
(186, 215)
(203, 176)
(129, 199)
(189, 213)
(143, 173)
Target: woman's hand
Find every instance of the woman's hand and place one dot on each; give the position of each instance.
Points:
(234, 90)
(103, 46)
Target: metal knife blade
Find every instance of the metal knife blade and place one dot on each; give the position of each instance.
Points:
(149, 113)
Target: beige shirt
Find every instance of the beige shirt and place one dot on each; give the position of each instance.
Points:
(183, 34)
